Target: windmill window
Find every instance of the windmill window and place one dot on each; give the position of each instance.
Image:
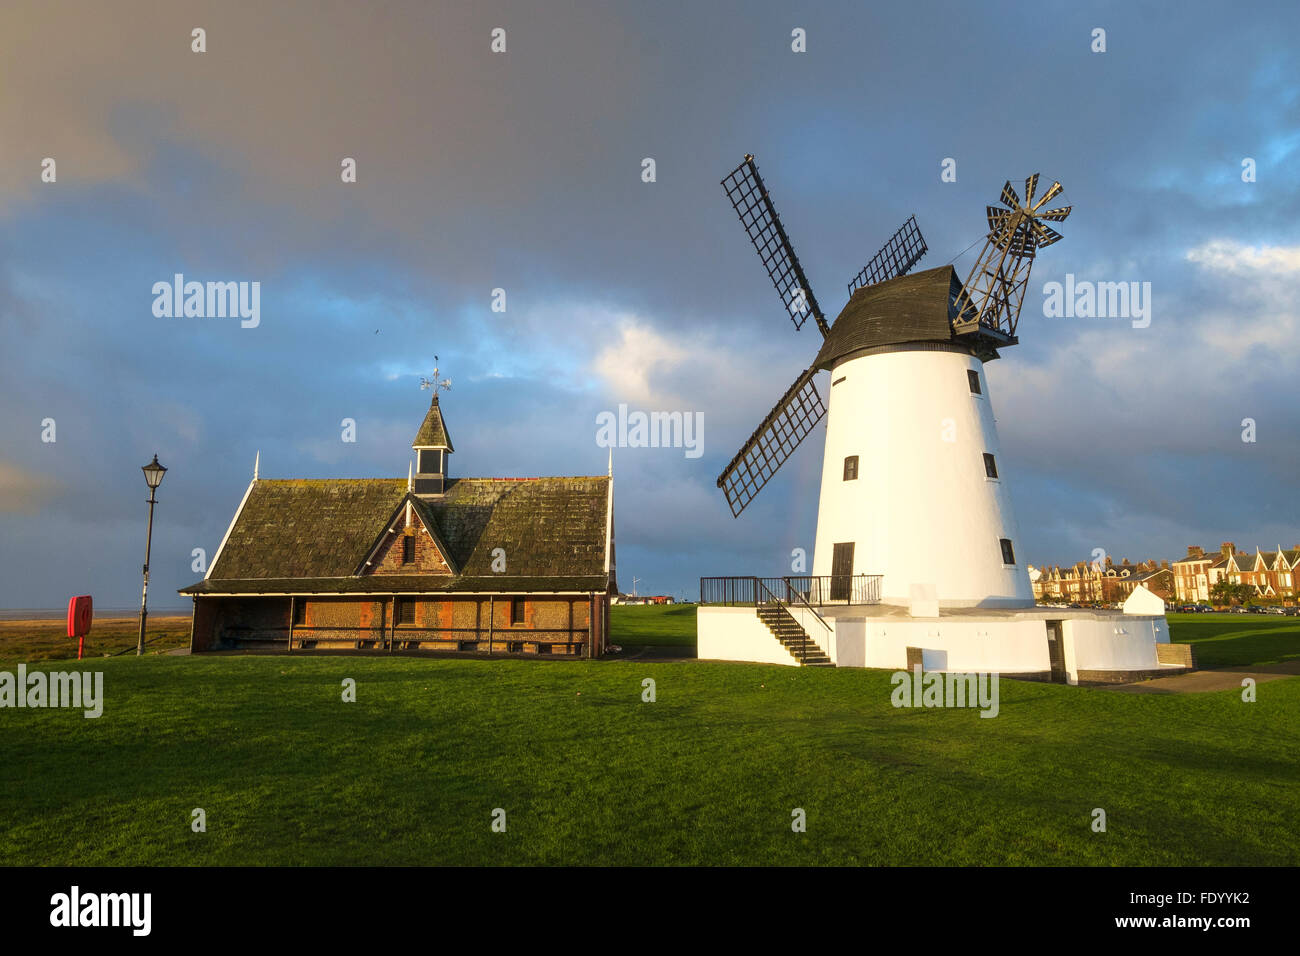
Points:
(973, 377)
(851, 468)
(1008, 553)
(408, 549)
(990, 466)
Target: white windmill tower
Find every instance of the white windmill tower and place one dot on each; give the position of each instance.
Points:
(911, 482)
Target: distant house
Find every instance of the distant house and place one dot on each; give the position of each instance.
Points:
(1192, 575)
(1093, 583)
(476, 565)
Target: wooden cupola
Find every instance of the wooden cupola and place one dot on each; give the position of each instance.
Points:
(432, 447)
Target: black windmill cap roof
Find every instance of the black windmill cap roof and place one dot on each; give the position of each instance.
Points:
(910, 309)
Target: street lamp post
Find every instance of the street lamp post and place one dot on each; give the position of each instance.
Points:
(153, 476)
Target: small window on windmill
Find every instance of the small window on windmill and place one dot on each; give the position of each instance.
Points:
(973, 377)
(990, 466)
(851, 468)
(1008, 554)
(516, 610)
(408, 549)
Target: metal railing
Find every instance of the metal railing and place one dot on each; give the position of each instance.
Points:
(767, 597)
(811, 590)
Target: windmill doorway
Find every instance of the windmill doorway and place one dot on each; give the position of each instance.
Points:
(842, 571)
(1056, 652)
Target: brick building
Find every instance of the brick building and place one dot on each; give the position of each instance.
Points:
(479, 565)
(1093, 583)
(1192, 576)
(1271, 574)
(1191, 579)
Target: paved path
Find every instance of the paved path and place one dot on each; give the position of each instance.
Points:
(1199, 681)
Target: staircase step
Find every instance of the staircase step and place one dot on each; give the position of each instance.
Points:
(786, 629)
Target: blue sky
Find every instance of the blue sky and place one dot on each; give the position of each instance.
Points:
(521, 171)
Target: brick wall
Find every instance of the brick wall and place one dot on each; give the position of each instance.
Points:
(363, 622)
(428, 559)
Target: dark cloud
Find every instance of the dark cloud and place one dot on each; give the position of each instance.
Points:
(522, 172)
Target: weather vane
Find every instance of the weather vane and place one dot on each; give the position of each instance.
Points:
(433, 383)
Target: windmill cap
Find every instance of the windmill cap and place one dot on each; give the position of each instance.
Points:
(911, 309)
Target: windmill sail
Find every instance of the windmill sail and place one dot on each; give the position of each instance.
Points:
(750, 198)
(895, 258)
(775, 440)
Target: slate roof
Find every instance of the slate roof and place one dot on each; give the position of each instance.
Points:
(314, 534)
(433, 430)
(1238, 561)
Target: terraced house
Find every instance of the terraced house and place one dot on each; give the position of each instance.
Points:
(426, 563)
(1088, 582)
(1271, 573)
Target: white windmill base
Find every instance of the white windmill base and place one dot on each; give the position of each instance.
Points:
(1096, 646)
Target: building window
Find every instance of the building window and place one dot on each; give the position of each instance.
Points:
(516, 610)
(851, 468)
(405, 611)
(1008, 554)
(431, 462)
(408, 549)
(990, 466)
(299, 611)
(973, 377)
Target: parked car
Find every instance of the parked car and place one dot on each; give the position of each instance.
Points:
(1276, 610)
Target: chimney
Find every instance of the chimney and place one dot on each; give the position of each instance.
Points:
(1195, 551)
(1227, 548)
(1164, 565)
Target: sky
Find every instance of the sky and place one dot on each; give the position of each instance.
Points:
(522, 170)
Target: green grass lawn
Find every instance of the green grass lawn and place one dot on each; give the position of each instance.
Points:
(672, 624)
(1237, 640)
(588, 773)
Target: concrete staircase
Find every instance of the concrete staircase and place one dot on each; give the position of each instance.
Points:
(792, 636)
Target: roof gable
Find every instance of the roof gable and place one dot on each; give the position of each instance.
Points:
(434, 558)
